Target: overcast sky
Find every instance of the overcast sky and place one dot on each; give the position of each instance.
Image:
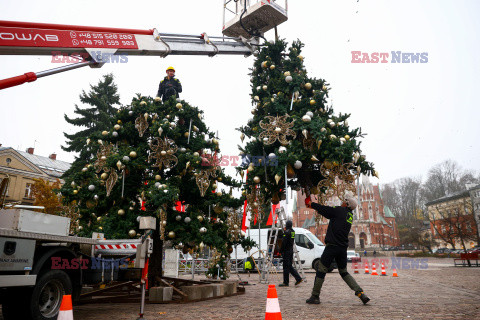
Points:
(415, 115)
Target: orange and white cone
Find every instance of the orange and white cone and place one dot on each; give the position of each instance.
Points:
(366, 268)
(394, 273)
(355, 268)
(272, 311)
(374, 271)
(66, 311)
(384, 272)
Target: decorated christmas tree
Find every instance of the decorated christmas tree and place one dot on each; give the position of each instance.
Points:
(295, 132)
(158, 159)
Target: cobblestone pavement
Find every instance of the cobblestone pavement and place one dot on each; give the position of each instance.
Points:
(439, 292)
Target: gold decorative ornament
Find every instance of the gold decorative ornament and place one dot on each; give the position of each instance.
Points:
(141, 124)
(272, 134)
(162, 152)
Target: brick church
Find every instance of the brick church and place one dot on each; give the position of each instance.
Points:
(374, 224)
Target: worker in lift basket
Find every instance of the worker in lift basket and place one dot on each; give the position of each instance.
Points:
(287, 254)
(336, 241)
(169, 86)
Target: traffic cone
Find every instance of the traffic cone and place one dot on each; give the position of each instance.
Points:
(272, 311)
(394, 273)
(384, 272)
(355, 268)
(366, 268)
(374, 271)
(66, 311)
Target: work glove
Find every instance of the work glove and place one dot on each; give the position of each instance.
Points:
(308, 202)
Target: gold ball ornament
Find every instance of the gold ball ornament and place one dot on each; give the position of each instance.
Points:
(178, 105)
(171, 234)
(219, 193)
(256, 179)
(272, 67)
(287, 73)
(186, 134)
(308, 86)
(117, 127)
(132, 154)
(200, 218)
(157, 99)
(347, 137)
(121, 212)
(104, 133)
(300, 57)
(265, 88)
(158, 177)
(75, 191)
(312, 102)
(104, 176)
(132, 233)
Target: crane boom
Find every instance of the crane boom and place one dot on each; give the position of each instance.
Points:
(94, 44)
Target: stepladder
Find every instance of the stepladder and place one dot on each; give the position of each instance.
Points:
(272, 263)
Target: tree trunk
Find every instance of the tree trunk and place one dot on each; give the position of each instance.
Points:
(156, 258)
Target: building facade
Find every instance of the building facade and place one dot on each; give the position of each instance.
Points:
(452, 219)
(22, 168)
(374, 224)
(475, 197)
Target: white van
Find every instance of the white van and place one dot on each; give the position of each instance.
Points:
(308, 245)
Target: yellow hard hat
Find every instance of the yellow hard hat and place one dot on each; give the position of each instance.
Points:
(170, 68)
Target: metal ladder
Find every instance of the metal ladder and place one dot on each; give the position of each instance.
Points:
(272, 240)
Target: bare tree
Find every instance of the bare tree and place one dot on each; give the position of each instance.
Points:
(403, 198)
(454, 221)
(444, 179)
(391, 199)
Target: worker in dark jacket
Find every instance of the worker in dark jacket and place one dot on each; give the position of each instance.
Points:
(287, 254)
(169, 86)
(336, 241)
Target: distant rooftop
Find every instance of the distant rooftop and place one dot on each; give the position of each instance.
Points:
(453, 196)
(51, 167)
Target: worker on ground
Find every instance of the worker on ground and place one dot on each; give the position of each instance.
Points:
(169, 86)
(287, 254)
(336, 241)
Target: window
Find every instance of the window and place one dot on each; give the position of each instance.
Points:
(305, 212)
(28, 191)
(301, 240)
(6, 193)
